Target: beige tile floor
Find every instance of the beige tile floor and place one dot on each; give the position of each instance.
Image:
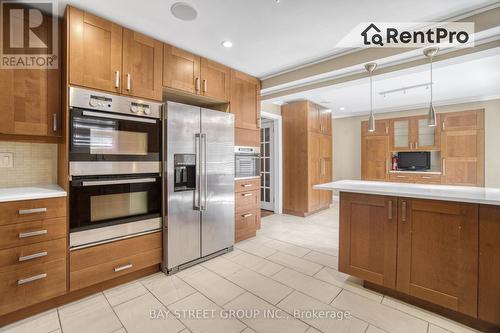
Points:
(291, 266)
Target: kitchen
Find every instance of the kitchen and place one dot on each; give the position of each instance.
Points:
(134, 176)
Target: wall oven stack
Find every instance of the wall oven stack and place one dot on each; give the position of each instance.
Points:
(115, 158)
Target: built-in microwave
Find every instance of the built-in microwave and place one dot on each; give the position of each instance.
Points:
(107, 208)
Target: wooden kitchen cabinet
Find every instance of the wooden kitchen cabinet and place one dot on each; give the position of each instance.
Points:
(462, 148)
(181, 69)
(413, 133)
(215, 80)
(375, 157)
(245, 100)
(381, 128)
(489, 264)
(368, 237)
(142, 66)
(437, 253)
(320, 119)
(95, 51)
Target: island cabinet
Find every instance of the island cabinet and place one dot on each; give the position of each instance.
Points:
(427, 249)
(368, 237)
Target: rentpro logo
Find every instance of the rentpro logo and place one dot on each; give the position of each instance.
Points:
(392, 35)
(29, 35)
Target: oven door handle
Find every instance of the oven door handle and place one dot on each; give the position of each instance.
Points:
(118, 181)
(119, 117)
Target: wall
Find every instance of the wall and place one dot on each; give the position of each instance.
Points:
(34, 164)
(347, 139)
(270, 107)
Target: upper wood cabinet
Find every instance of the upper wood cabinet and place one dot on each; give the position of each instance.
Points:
(187, 72)
(95, 51)
(142, 66)
(438, 253)
(462, 148)
(320, 119)
(245, 100)
(413, 133)
(215, 80)
(368, 237)
(30, 101)
(104, 56)
(381, 128)
(181, 69)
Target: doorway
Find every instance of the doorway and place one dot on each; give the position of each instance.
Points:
(270, 164)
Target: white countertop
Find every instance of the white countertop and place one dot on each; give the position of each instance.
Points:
(482, 195)
(31, 192)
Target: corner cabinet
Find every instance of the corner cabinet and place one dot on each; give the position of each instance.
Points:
(105, 56)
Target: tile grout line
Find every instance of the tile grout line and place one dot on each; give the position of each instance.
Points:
(59, 319)
(113, 309)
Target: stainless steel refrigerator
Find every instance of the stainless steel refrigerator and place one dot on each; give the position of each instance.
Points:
(199, 185)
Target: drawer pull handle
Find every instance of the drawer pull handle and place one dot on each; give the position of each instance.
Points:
(31, 211)
(246, 215)
(122, 268)
(403, 211)
(401, 176)
(33, 256)
(246, 185)
(32, 233)
(426, 177)
(246, 194)
(31, 279)
(389, 210)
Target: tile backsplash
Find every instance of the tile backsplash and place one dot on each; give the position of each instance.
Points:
(34, 164)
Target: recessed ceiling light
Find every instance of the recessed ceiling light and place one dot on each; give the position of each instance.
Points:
(227, 43)
(342, 108)
(183, 11)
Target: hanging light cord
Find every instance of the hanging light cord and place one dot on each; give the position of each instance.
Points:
(431, 80)
(371, 94)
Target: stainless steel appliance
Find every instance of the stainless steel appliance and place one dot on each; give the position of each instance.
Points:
(247, 162)
(199, 187)
(115, 158)
(113, 134)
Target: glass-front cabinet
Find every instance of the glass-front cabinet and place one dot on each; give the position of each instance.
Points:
(413, 133)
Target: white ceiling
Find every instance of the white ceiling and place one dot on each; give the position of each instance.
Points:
(268, 37)
(463, 79)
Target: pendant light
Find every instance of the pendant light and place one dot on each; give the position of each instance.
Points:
(431, 116)
(370, 67)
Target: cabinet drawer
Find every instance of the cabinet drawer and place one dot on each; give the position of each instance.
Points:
(396, 177)
(247, 184)
(31, 285)
(106, 253)
(427, 179)
(246, 224)
(32, 232)
(31, 210)
(112, 269)
(247, 200)
(29, 255)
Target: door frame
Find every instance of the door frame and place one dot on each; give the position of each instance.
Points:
(278, 159)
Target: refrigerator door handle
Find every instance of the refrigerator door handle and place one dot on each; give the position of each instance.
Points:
(204, 172)
(197, 190)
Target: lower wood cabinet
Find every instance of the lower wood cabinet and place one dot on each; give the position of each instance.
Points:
(368, 237)
(437, 253)
(247, 208)
(96, 264)
(427, 249)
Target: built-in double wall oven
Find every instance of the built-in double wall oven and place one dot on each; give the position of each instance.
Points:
(115, 158)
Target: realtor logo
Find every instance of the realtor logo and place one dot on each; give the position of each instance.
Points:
(376, 34)
(29, 34)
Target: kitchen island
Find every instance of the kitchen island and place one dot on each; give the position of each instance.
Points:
(432, 245)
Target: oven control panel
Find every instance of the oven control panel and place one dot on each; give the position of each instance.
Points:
(98, 101)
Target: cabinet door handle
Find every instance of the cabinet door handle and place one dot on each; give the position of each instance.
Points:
(246, 194)
(122, 268)
(205, 86)
(32, 233)
(399, 176)
(386, 129)
(246, 185)
(197, 84)
(411, 145)
(403, 211)
(442, 125)
(31, 279)
(416, 145)
(386, 166)
(31, 211)
(32, 256)
(389, 210)
(246, 215)
(129, 81)
(444, 167)
(54, 122)
(426, 177)
(117, 79)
